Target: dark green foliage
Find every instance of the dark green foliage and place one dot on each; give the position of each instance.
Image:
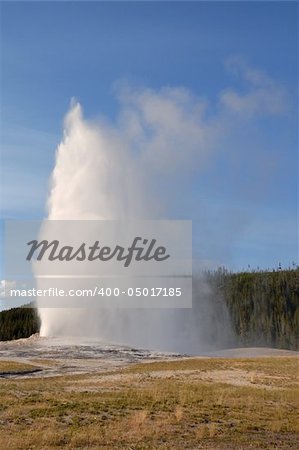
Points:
(18, 323)
(263, 306)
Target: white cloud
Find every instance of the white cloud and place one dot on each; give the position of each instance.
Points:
(263, 96)
(166, 127)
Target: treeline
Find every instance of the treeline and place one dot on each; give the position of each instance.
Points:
(263, 306)
(18, 323)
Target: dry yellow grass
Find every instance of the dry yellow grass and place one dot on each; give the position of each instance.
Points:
(15, 367)
(163, 405)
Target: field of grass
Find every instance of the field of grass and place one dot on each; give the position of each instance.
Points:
(13, 367)
(182, 404)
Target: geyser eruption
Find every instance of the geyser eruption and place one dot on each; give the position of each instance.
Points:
(93, 179)
(106, 172)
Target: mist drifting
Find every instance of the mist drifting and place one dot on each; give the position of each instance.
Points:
(139, 167)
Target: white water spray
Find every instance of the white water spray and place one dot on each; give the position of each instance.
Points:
(104, 172)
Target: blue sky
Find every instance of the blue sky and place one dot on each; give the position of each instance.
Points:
(244, 203)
